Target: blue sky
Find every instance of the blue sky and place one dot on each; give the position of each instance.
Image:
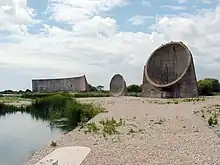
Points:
(98, 38)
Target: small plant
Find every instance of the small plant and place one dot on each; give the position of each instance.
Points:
(131, 130)
(110, 125)
(210, 121)
(160, 121)
(91, 127)
(53, 144)
(203, 116)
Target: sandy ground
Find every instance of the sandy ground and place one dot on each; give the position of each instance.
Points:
(182, 138)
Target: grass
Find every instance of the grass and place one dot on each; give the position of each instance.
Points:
(177, 101)
(91, 94)
(106, 127)
(210, 114)
(60, 110)
(75, 95)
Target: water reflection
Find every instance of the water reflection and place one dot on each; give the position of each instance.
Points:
(21, 134)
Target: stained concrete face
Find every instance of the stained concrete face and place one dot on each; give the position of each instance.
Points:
(170, 73)
(118, 86)
(74, 84)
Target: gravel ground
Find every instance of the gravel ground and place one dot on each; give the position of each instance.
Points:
(182, 138)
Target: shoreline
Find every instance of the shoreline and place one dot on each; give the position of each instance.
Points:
(179, 131)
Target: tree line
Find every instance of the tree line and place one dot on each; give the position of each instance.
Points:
(206, 87)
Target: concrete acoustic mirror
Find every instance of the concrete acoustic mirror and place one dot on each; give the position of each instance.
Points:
(170, 73)
(118, 86)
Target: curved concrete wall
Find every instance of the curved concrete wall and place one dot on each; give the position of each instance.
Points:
(73, 84)
(167, 64)
(118, 85)
(170, 72)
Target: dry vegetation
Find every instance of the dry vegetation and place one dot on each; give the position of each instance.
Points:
(177, 101)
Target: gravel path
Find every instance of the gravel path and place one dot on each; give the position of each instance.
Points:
(182, 138)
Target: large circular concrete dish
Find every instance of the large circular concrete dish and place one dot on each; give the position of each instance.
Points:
(117, 85)
(168, 64)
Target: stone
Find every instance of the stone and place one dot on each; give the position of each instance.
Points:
(170, 73)
(72, 84)
(118, 86)
(66, 155)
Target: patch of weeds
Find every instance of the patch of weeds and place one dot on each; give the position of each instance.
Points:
(110, 125)
(131, 130)
(159, 121)
(91, 128)
(177, 101)
(53, 144)
(105, 127)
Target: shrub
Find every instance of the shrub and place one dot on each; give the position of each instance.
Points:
(208, 86)
(134, 88)
(58, 109)
(91, 94)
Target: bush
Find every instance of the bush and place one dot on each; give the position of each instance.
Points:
(43, 95)
(57, 109)
(208, 86)
(91, 94)
(67, 108)
(134, 88)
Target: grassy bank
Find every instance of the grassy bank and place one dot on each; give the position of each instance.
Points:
(60, 110)
(67, 94)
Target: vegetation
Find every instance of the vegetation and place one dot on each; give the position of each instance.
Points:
(92, 88)
(177, 101)
(100, 87)
(208, 86)
(8, 91)
(210, 114)
(91, 94)
(134, 88)
(60, 110)
(105, 127)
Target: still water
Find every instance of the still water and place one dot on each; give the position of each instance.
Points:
(21, 135)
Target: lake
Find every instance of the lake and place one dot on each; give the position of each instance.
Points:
(21, 135)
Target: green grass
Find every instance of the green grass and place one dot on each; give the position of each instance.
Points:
(75, 95)
(106, 127)
(58, 109)
(177, 101)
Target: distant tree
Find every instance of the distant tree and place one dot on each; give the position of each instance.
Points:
(215, 84)
(28, 91)
(20, 91)
(208, 86)
(9, 91)
(134, 88)
(92, 88)
(100, 87)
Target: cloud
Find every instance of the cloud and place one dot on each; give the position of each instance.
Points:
(182, 1)
(74, 11)
(95, 46)
(139, 19)
(15, 16)
(146, 3)
(173, 7)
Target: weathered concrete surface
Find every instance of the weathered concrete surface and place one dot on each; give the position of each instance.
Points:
(66, 155)
(170, 73)
(73, 84)
(118, 86)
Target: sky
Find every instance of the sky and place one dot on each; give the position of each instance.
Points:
(99, 38)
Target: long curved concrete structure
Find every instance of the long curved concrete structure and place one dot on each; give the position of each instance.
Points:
(170, 73)
(72, 84)
(118, 86)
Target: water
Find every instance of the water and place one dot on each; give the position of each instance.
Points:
(21, 135)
